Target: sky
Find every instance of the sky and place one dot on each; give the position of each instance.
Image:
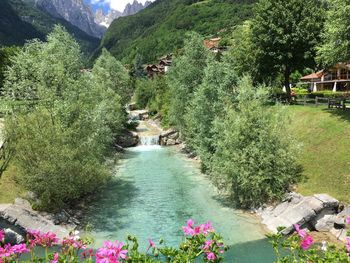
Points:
(110, 4)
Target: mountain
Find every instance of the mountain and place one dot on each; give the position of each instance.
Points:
(135, 7)
(130, 9)
(21, 20)
(160, 28)
(75, 12)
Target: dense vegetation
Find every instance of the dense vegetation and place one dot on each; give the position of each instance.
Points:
(224, 115)
(67, 119)
(161, 27)
(21, 21)
(229, 124)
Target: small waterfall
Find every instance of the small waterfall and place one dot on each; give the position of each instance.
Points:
(149, 140)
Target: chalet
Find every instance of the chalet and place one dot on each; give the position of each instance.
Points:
(213, 45)
(161, 68)
(336, 78)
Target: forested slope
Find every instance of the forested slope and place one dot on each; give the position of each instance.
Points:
(161, 27)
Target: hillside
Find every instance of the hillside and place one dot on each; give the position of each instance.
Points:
(160, 28)
(21, 20)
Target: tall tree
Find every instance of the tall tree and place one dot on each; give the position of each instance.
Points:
(286, 33)
(112, 74)
(185, 75)
(336, 36)
(208, 102)
(253, 162)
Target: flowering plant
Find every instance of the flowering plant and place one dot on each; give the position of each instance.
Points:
(200, 242)
(301, 247)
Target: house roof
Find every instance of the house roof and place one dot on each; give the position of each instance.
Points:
(212, 43)
(315, 75)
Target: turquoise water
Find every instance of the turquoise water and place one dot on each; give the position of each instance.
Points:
(153, 194)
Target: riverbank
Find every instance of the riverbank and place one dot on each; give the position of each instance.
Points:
(320, 213)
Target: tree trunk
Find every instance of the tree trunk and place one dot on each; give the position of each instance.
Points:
(287, 83)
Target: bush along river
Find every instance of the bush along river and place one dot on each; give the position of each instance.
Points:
(155, 191)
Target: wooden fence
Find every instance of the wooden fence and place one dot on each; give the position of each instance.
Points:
(339, 103)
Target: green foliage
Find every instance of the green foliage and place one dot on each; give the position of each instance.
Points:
(67, 121)
(255, 159)
(285, 34)
(154, 95)
(29, 22)
(110, 73)
(160, 28)
(184, 76)
(335, 46)
(207, 104)
(243, 52)
(5, 61)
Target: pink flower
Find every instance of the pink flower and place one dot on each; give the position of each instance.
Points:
(111, 252)
(2, 235)
(211, 256)
(348, 220)
(43, 239)
(300, 232)
(206, 228)
(348, 245)
(151, 243)
(207, 244)
(8, 250)
(190, 222)
(55, 258)
(307, 242)
(20, 249)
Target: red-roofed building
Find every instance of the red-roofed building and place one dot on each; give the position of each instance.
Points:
(336, 78)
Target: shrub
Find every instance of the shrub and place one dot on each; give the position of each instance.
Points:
(255, 159)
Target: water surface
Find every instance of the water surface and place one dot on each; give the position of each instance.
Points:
(155, 191)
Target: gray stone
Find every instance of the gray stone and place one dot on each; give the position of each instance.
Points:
(170, 142)
(13, 237)
(127, 139)
(20, 218)
(327, 200)
(325, 224)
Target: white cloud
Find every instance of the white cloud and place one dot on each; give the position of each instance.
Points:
(115, 4)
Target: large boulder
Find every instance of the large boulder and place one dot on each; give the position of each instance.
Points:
(296, 209)
(170, 137)
(18, 218)
(127, 139)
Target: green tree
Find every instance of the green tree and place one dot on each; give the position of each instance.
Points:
(208, 102)
(112, 74)
(6, 53)
(70, 126)
(256, 159)
(285, 33)
(243, 51)
(184, 76)
(335, 46)
(45, 70)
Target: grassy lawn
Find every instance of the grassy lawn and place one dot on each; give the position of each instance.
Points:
(325, 156)
(9, 189)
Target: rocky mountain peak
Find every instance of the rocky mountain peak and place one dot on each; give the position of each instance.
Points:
(130, 9)
(75, 12)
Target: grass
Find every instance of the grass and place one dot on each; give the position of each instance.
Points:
(9, 188)
(325, 150)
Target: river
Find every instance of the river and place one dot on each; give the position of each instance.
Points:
(154, 192)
